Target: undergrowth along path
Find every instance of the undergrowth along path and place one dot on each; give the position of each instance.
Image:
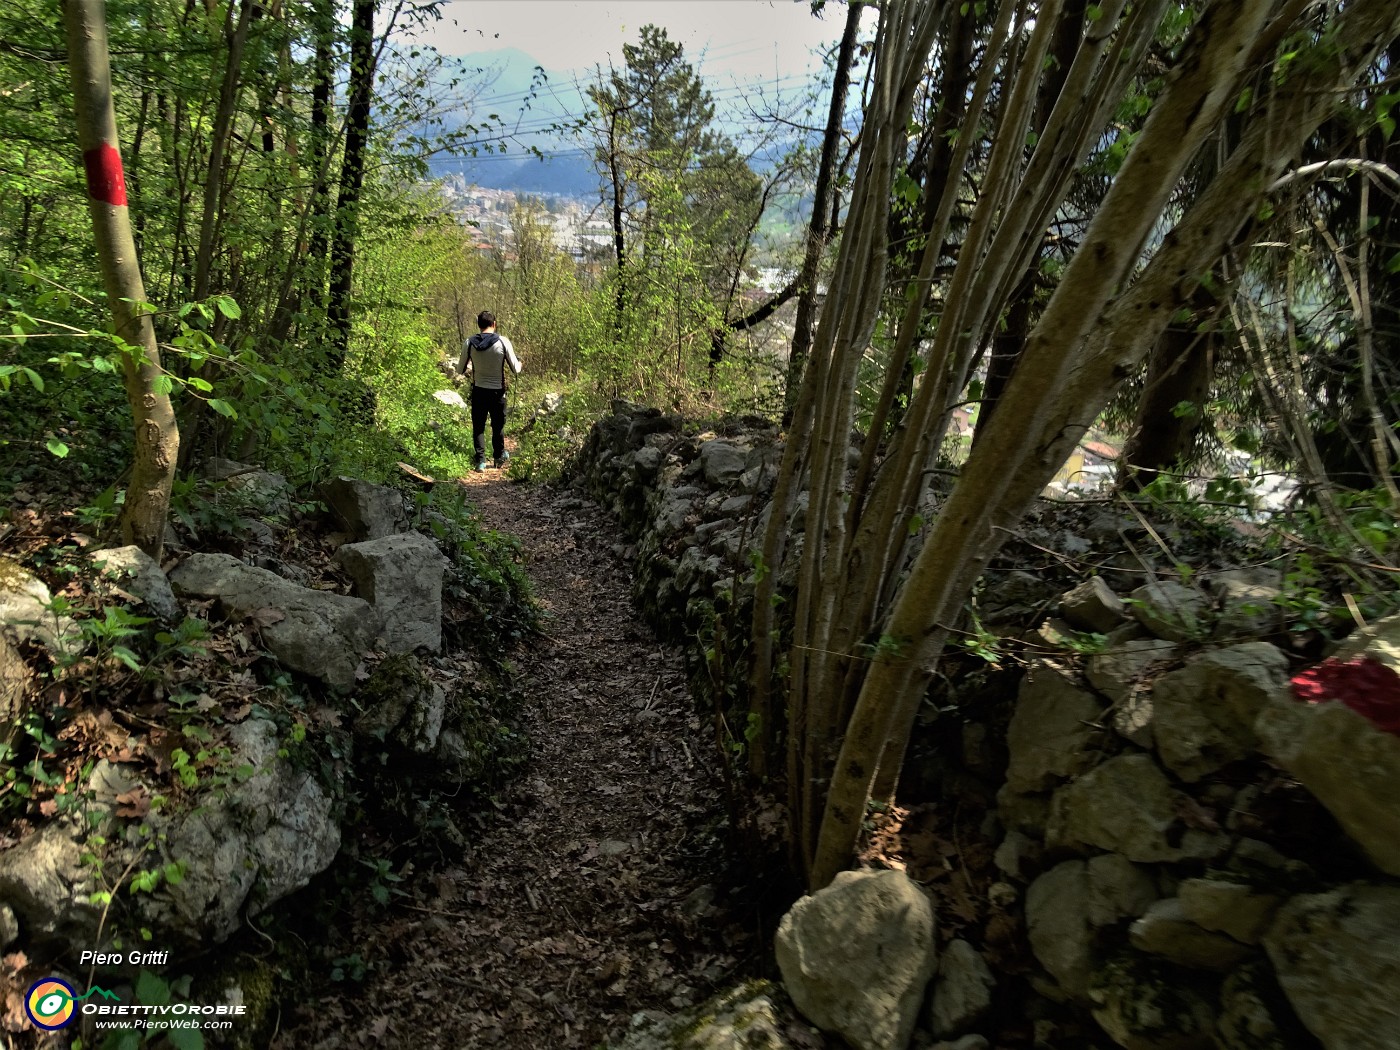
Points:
(598, 887)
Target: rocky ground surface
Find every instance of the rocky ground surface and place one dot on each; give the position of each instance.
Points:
(601, 886)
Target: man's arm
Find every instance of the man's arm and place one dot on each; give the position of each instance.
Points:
(511, 359)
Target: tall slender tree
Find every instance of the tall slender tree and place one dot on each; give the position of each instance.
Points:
(877, 593)
(157, 437)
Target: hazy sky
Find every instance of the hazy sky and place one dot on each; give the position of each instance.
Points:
(729, 41)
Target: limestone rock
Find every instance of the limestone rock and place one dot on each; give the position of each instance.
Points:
(1249, 606)
(15, 681)
(746, 1018)
(1125, 806)
(401, 704)
(1205, 712)
(1170, 610)
(1118, 889)
(135, 571)
(856, 957)
(1233, 908)
(319, 634)
(647, 464)
(1057, 924)
(758, 479)
(1167, 931)
(1350, 765)
(365, 510)
(723, 462)
(962, 992)
(1117, 673)
(46, 882)
(23, 610)
(1015, 854)
(1092, 606)
(401, 576)
(1337, 957)
(246, 847)
(1142, 1006)
(261, 490)
(1254, 1015)
(1052, 734)
(1070, 903)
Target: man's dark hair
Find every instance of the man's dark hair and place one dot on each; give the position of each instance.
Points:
(485, 319)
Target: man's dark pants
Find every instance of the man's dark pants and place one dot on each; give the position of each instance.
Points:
(488, 403)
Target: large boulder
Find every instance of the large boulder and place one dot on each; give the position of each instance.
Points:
(1350, 765)
(1254, 1015)
(1337, 958)
(1092, 606)
(1118, 674)
(746, 1018)
(1126, 806)
(1145, 1006)
(856, 957)
(962, 992)
(1204, 714)
(1171, 610)
(315, 632)
(136, 572)
(723, 462)
(47, 883)
(1166, 930)
(1250, 604)
(401, 704)
(244, 847)
(1067, 907)
(365, 510)
(1052, 735)
(401, 576)
(261, 490)
(25, 613)
(1236, 909)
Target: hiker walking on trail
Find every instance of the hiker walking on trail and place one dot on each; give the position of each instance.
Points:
(485, 357)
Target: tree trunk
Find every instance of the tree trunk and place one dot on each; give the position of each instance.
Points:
(211, 213)
(619, 235)
(1180, 370)
(1087, 341)
(157, 437)
(819, 225)
(352, 177)
(321, 87)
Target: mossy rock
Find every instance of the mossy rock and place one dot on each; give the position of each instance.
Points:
(753, 1016)
(248, 981)
(1145, 1005)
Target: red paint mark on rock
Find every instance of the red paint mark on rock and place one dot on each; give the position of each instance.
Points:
(105, 180)
(1368, 687)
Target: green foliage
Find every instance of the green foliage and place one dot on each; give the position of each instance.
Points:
(487, 574)
(548, 440)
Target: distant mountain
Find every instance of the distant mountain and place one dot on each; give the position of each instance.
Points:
(530, 107)
(564, 176)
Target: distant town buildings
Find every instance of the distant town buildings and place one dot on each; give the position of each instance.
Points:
(576, 231)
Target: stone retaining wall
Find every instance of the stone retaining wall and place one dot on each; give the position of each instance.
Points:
(1194, 853)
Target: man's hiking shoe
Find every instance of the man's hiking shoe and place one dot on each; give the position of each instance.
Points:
(480, 468)
(505, 458)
